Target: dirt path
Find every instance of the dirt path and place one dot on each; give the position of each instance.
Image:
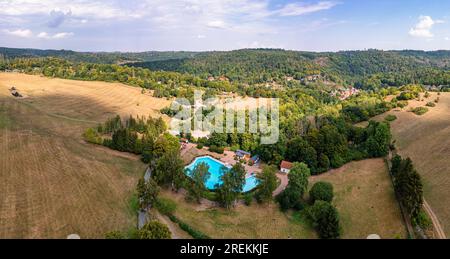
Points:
(177, 233)
(283, 184)
(437, 226)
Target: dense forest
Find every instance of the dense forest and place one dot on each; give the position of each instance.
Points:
(364, 69)
(256, 67)
(97, 57)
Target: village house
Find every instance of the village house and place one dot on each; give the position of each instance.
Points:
(286, 167)
(240, 154)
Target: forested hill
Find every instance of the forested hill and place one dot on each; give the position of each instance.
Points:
(97, 57)
(363, 68)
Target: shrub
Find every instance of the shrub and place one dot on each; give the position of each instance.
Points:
(422, 220)
(191, 231)
(390, 118)
(407, 96)
(154, 230)
(321, 191)
(216, 149)
(431, 104)
(402, 104)
(420, 110)
(166, 206)
(115, 235)
(248, 199)
(289, 199)
(200, 146)
(91, 136)
(325, 219)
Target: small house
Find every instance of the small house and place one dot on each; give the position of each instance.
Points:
(243, 155)
(286, 167)
(255, 159)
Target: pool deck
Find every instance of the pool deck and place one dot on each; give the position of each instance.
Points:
(190, 152)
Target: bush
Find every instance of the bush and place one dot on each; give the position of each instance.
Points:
(91, 136)
(200, 146)
(390, 118)
(321, 191)
(248, 199)
(154, 230)
(191, 231)
(216, 149)
(402, 104)
(422, 220)
(115, 235)
(325, 219)
(431, 104)
(420, 110)
(289, 199)
(165, 206)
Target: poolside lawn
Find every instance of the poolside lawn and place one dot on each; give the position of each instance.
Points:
(254, 222)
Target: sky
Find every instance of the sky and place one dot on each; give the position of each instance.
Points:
(203, 25)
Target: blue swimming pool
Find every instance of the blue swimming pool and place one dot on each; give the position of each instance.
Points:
(215, 168)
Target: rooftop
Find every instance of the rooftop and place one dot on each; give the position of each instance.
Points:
(286, 165)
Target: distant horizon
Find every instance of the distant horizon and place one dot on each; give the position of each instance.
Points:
(204, 51)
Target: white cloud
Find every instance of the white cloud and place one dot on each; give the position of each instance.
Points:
(20, 33)
(447, 38)
(296, 9)
(201, 36)
(60, 35)
(423, 27)
(217, 24)
(80, 8)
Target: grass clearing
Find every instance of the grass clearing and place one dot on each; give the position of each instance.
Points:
(256, 221)
(426, 140)
(365, 200)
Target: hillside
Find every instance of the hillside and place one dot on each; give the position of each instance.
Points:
(426, 140)
(53, 183)
(366, 69)
(362, 68)
(96, 57)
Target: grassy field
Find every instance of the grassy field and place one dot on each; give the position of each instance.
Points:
(365, 199)
(53, 184)
(254, 222)
(426, 139)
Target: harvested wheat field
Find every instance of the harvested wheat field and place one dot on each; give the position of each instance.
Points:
(426, 139)
(82, 100)
(52, 184)
(365, 199)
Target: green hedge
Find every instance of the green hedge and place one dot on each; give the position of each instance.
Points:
(193, 232)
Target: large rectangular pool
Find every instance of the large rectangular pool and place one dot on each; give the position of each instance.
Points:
(215, 168)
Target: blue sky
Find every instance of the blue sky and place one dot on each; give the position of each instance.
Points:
(140, 25)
